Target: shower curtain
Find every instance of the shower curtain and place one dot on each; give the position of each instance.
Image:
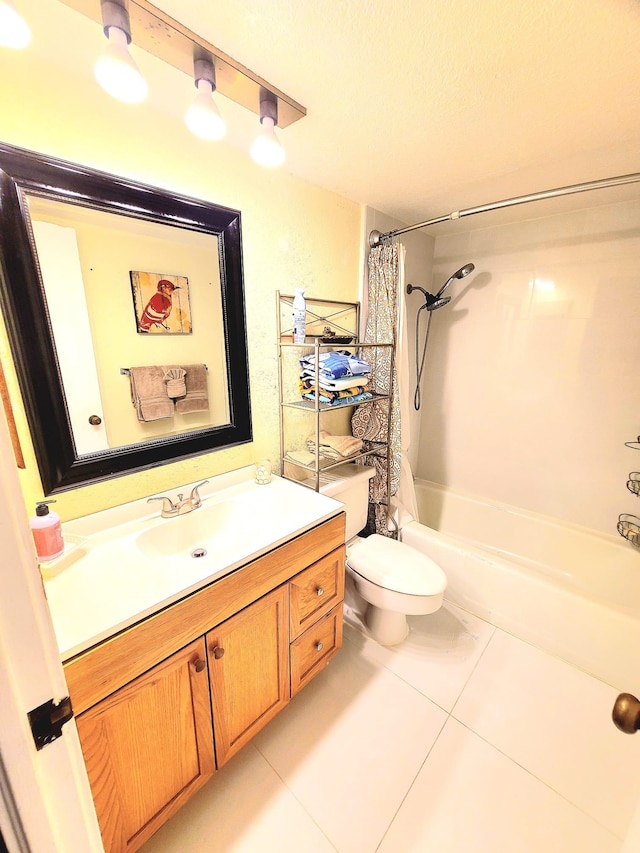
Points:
(386, 323)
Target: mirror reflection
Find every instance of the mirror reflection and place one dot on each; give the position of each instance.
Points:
(124, 293)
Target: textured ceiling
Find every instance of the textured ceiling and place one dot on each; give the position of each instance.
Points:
(421, 107)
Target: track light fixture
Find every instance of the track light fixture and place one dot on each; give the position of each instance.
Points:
(170, 41)
(266, 149)
(116, 70)
(203, 116)
(14, 30)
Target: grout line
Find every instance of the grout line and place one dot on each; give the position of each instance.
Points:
(538, 779)
(296, 798)
(406, 793)
(475, 666)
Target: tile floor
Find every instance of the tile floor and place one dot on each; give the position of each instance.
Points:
(463, 739)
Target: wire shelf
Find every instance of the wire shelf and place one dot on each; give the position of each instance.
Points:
(310, 405)
(633, 483)
(629, 528)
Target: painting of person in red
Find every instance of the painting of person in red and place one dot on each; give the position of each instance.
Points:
(158, 307)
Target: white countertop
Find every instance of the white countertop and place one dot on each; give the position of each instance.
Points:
(109, 578)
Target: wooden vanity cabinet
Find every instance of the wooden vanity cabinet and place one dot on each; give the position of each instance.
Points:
(148, 747)
(249, 671)
(209, 671)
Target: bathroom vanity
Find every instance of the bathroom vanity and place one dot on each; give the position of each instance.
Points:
(164, 701)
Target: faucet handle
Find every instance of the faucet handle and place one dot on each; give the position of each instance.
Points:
(196, 500)
(168, 505)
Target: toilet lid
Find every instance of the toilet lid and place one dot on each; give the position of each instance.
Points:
(396, 566)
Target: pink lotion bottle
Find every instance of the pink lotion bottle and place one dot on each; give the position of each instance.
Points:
(47, 532)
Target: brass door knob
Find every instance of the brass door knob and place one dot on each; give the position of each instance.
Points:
(626, 713)
(95, 420)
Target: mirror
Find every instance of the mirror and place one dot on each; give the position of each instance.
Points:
(100, 275)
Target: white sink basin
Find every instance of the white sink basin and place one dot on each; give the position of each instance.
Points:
(210, 527)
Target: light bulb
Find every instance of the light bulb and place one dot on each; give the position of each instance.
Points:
(117, 72)
(14, 30)
(203, 116)
(266, 150)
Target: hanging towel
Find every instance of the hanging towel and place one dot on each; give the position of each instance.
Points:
(196, 399)
(149, 393)
(176, 384)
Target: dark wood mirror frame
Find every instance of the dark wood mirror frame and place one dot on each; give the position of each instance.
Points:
(30, 336)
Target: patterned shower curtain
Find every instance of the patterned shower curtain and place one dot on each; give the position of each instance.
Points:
(371, 421)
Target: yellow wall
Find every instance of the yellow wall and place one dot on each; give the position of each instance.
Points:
(294, 234)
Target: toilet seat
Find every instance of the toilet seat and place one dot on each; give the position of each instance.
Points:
(395, 566)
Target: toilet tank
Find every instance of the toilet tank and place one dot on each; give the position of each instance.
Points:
(349, 483)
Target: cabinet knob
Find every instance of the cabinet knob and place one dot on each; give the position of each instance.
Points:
(95, 420)
(320, 591)
(319, 646)
(199, 665)
(217, 652)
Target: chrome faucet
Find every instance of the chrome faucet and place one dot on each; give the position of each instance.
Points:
(182, 505)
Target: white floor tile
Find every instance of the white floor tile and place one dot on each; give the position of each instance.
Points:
(349, 747)
(439, 654)
(244, 808)
(555, 721)
(470, 798)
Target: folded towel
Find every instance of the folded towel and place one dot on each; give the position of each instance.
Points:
(176, 385)
(334, 446)
(304, 457)
(196, 399)
(341, 401)
(336, 364)
(149, 393)
(334, 384)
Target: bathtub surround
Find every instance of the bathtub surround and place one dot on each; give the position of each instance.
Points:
(532, 385)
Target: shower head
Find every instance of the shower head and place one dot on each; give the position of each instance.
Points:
(461, 273)
(435, 303)
(431, 302)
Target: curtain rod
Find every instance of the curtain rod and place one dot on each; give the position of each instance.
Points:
(376, 238)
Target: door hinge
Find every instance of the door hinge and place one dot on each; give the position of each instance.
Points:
(47, 720)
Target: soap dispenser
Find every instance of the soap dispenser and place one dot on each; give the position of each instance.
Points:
(47, 532)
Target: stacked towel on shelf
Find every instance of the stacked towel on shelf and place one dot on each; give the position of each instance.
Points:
(334, 447)
(341, 378)
(306, 458)
(333, 398)
(149, 393)
(334, 365)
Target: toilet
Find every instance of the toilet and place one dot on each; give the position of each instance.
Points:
(394, 579)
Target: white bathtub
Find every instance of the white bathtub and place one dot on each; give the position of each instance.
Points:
(569, 590)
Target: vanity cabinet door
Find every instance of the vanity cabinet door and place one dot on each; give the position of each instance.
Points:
(148, 747)
(249, 671)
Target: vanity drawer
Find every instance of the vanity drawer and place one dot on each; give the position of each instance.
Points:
(313, 592)
(314, 649)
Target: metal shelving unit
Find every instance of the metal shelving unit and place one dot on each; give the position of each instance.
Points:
(343, 319)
